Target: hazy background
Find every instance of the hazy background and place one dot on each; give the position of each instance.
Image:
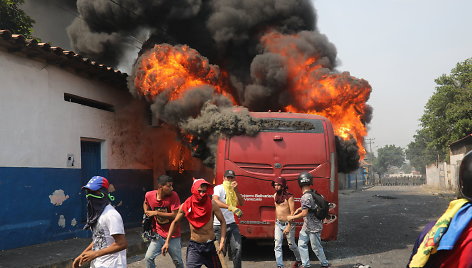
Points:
(400, 47)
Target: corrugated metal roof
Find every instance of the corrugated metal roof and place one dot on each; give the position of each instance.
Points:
(16, 43)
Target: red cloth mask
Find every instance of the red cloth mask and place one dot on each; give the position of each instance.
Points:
(281, 195)
(198, 207)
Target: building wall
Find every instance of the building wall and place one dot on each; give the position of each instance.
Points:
(40, 194)
(436, 175)
(455, 161)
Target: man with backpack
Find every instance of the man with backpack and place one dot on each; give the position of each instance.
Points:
(312, 225)
(162, 205)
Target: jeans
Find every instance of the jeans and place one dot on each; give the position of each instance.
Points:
(315, 240)
(155, 247)
(279, 238)
(234, 238)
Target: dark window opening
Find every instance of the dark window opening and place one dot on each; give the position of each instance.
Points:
(88, 102)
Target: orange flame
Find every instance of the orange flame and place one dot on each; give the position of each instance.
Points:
(174, 70)
(316, 90)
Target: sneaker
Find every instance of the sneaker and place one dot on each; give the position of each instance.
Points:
(296, 264)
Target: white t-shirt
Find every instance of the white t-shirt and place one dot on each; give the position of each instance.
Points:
(219, 190)
(108, 224)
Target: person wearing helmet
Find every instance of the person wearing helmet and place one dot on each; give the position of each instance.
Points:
(108, 247)
(447, 242)
(312, 227)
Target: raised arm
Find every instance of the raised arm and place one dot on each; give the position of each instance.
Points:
(178, 217)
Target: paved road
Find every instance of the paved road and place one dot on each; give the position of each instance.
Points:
(378, 227)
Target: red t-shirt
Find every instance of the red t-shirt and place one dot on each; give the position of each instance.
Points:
(167, 204)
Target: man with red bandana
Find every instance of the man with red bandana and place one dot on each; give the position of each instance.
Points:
(199, 210)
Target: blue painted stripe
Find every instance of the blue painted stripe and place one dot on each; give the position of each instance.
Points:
(28, 217)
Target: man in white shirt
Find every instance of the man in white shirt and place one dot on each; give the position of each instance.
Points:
(228, 198)
(108, 247)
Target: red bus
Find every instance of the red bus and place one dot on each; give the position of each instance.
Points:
(284, 152)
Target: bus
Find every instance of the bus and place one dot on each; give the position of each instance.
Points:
(282, 152)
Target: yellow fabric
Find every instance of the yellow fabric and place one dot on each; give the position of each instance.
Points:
(431, 240)
(231, 198)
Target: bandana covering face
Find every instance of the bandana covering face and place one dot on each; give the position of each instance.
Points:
(282, 194)
(198, 208)
(95, 207)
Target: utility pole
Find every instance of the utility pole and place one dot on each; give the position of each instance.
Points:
(371, 159)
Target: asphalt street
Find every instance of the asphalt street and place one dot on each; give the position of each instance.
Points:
(377, 227)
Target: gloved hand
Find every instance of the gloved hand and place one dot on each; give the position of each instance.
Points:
(238, 212)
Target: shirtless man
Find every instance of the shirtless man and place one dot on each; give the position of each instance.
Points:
(199, 210)
(284, 206)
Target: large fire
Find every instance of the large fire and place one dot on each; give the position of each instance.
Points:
(173, 70)
(337, 96)
(314, 88)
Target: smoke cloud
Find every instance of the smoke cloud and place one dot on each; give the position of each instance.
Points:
(236, 36)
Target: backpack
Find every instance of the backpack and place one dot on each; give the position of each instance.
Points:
(147, 233)
(321, 211)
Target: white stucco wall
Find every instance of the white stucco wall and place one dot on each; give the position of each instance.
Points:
(39, 129)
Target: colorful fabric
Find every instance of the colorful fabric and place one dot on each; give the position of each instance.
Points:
(198, 207)
(167, 204)
(458, 224)
(431, 240)
(219, 191)
(231, 197)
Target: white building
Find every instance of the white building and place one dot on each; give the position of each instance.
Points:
(64, 119)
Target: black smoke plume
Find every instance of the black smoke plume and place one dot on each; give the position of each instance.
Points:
(228, 33)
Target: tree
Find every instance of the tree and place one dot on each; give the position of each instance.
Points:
(447, 117)
(388, 156)
(417, 152)
(14, 19)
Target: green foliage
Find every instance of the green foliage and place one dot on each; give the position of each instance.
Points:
(447, 117)
(388, 156)
(14, 19)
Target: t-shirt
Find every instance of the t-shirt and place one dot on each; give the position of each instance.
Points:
(310, 222)
(219, 190)
(167, 204)
(109, 223)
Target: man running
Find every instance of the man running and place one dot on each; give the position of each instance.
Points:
(199, 210)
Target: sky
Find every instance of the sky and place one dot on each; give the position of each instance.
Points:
(399, 46)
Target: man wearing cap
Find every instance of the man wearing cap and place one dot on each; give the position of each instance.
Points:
(284, 206)
(228, 198)
(199, 210)
(162, 205)
(108, 247)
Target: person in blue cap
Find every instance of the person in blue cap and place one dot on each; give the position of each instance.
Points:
(108, 247)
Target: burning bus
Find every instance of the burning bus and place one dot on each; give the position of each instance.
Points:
(280, 151)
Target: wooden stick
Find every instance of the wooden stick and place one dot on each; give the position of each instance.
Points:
(221, 256)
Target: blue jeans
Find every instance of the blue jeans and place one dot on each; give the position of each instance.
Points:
(155, 247)
(315, 240)
(279, 238)
(234, 238)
